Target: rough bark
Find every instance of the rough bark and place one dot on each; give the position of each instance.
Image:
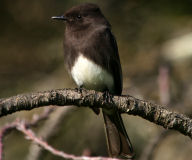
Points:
(126, 104)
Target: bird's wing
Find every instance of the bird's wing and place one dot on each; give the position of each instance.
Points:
(104, 52)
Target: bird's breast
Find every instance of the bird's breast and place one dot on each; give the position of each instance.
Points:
(88, 74)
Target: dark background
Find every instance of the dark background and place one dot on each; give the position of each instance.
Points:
(152, 36)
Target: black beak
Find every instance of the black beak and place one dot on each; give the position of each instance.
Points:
(59, 18)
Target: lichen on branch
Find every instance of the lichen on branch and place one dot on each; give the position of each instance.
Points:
(90, 98)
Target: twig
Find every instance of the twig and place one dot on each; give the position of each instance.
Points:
(148, 152)
(37, 118)
(164, 85)
(9, 127)
(23, 126)
(46, 132)
(3, 132)
(31, 136)
(126, 104)
(164, 96)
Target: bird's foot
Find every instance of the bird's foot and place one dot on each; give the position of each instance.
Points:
(79, 89)
(107, 96)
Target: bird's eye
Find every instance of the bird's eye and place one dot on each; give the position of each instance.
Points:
(79, 16)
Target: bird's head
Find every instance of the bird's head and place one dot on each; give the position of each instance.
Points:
(82, 16)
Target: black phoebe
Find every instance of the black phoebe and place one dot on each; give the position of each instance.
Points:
(92, 59)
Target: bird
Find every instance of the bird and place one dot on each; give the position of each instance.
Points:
(92, 59)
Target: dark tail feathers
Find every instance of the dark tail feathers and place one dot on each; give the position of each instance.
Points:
(118, 141)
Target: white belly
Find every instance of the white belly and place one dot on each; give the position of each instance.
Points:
(91, 76)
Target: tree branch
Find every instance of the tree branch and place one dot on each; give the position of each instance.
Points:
(126, 104)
